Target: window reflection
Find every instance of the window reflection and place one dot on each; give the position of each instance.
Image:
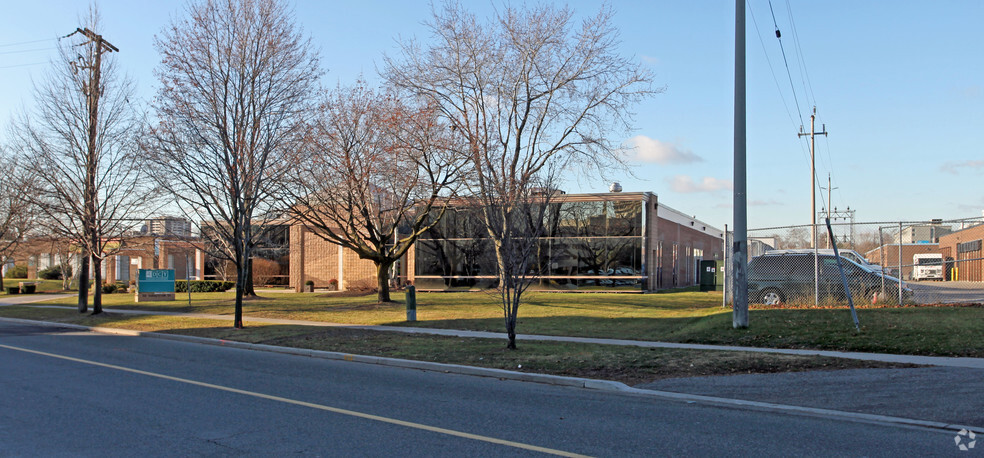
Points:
(586, 245)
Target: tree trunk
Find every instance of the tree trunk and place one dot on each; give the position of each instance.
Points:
(511, 332)
(248, 289)
(382, 281)
(242, 273)
(84, 285)
(66, 276)
(97, 285)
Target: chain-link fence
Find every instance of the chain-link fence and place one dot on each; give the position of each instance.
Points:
(907, 262)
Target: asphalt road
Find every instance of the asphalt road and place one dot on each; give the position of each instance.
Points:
(944, 394)
(85, 394)
(946, 292)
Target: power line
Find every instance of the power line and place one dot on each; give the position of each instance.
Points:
(804, 74)
(5, 45)
(772, 70)
(29, 50)
(22, 65)
(786, 62)
(803, 145)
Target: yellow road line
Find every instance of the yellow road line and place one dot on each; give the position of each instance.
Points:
(449, 432)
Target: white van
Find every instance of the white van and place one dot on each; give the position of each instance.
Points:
(927, 266)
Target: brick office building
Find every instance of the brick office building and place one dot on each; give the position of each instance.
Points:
(962, 254)
(604, 241)
(315, 259)
(887, 256)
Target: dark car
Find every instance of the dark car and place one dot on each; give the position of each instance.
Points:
(789, 277)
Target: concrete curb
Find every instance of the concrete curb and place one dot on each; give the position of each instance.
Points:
(603, 385)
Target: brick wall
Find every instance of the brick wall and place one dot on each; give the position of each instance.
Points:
(888, 256)
(967, 262)
(316, 259)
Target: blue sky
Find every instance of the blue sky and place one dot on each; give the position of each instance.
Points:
(899, 85)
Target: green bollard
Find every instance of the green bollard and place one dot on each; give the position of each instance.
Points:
(411, 303)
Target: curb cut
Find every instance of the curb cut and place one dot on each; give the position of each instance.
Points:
(502, 374)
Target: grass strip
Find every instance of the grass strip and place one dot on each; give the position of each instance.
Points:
(688, 316)
(630, 365)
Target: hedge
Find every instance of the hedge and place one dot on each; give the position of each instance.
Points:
(16, 272)
(53, 273)
(203, 286)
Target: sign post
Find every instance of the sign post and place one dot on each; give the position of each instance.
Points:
(154, 285)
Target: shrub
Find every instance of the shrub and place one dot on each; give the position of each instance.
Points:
(12, 289)
(265, 271)
(309, 283)
(16, 272)
(364, 285)
(29, 288)
(54, 272)
(203, 286)
(108, 288)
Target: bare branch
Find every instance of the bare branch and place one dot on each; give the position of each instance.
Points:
(236, 79)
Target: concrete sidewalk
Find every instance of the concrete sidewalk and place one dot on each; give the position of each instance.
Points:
(975, 363)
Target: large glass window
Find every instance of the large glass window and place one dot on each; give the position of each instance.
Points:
(580, 240)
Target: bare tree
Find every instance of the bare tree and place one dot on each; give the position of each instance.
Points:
(236, 80)
(376, 175)
(86, 175)
(16, 215)
(532, 93)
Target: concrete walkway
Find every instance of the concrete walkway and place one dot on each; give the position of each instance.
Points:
(975, 363)
(20, 299)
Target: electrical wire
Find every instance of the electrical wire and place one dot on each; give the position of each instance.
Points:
(28, 50)
(807, 84)
(772, 69)
(22, 65)
(804, 74)
(805, 151)
(786, 62)
(807, 88)
(5, 45)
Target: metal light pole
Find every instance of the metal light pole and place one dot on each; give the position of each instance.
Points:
(739, 312)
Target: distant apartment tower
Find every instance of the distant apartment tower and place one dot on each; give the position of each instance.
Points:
(167, 225)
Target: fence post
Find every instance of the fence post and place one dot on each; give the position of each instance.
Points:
(411, 303)
(900, 263)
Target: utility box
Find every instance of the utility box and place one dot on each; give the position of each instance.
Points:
(712, 275)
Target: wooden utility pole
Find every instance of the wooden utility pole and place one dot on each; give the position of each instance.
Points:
(94, 64)
(813, 175)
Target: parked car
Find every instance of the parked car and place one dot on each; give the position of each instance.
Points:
(781, 277)
(844, 253)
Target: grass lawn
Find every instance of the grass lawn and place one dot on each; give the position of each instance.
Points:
(43, 286)
(631, 365)
(687, 316)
